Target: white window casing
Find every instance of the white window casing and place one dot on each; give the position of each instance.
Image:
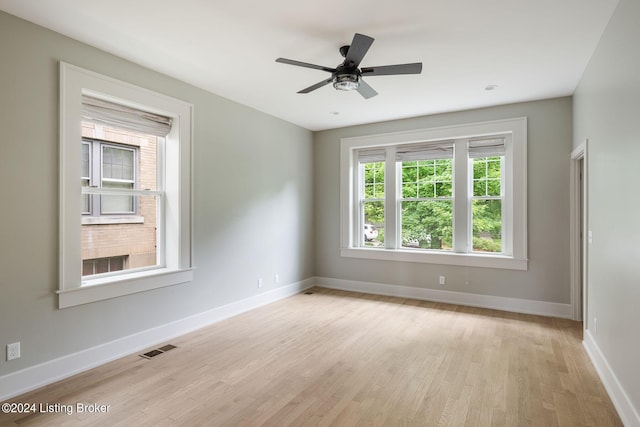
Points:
(506, 138)
(175, 248)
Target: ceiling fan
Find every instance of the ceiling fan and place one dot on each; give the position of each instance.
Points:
(347, 76)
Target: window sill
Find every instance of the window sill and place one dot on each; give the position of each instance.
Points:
(118, 219)
(428, 257)
(115, 286)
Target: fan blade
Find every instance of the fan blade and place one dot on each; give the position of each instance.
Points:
(358, 49)
(389, 70)
(315, 86)
(305, 64)
(365, 90)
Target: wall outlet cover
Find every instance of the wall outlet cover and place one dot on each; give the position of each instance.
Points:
(13, 351)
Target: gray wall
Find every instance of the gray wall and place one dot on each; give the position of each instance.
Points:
(607, 112)
(549, 148)
(252, 197)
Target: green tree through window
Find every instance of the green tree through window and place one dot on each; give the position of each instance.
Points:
(427, 205)
(487, 204)
(452, 195)
(373, 202)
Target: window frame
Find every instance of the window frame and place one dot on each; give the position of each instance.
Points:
(176, 249)
(96, 178)
(515, 207)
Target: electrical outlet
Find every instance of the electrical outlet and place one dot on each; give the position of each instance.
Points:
(442, 280)
(260, 282)
(595, 325)
(276, 279)
(13, 351)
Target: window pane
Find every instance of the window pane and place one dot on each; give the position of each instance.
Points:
(487, 176)
(427, 224)
(479, 169)
(427, 179)
(487, 226)
(88, 267)
(102, 265)
(85, 160)
(373, 209)
(86, 204)
(115, 240)
(409, 190)
(126, 245)
(443, 169)
(117, 163)
(374, 180)
(443, 189)
(116, 263)
(117, 204)
(494, 169)
(427, 190)
(373, 223)
(493, 187)
(409, 172)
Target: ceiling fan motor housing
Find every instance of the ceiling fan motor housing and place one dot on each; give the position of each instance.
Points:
(346, 78)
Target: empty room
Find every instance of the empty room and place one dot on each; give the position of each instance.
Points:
(281, 213)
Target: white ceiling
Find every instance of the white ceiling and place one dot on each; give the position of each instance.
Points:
(530, 49)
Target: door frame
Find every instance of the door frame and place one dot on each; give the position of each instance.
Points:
(579, 232)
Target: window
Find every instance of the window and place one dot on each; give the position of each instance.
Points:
(426, 195)
(103, 265)
(131, 149)
(123, 203)
(372, 204)
(125, 223)
(487, 199)
(454, 195)
(116, 169)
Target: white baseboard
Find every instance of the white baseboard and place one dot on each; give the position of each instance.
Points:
(542, 308)
(628, 414)
(33, 377)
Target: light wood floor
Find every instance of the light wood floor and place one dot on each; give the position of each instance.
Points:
(343, 359)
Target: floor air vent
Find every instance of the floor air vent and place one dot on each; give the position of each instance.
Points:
(150, 354)
(158, 351)
(167, 347)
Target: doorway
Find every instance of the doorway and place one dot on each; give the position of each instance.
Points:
(578, 233)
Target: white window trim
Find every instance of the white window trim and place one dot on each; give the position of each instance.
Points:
(515, 225)
(177, 246)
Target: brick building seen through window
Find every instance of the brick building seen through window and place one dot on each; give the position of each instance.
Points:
(118, 232)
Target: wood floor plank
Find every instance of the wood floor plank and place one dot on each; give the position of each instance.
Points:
(337, 358)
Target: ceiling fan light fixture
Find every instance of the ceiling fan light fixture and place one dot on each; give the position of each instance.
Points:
(346, 82)
(347, 76)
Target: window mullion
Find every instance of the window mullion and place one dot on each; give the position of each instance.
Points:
(391, 202)
(461, 197)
